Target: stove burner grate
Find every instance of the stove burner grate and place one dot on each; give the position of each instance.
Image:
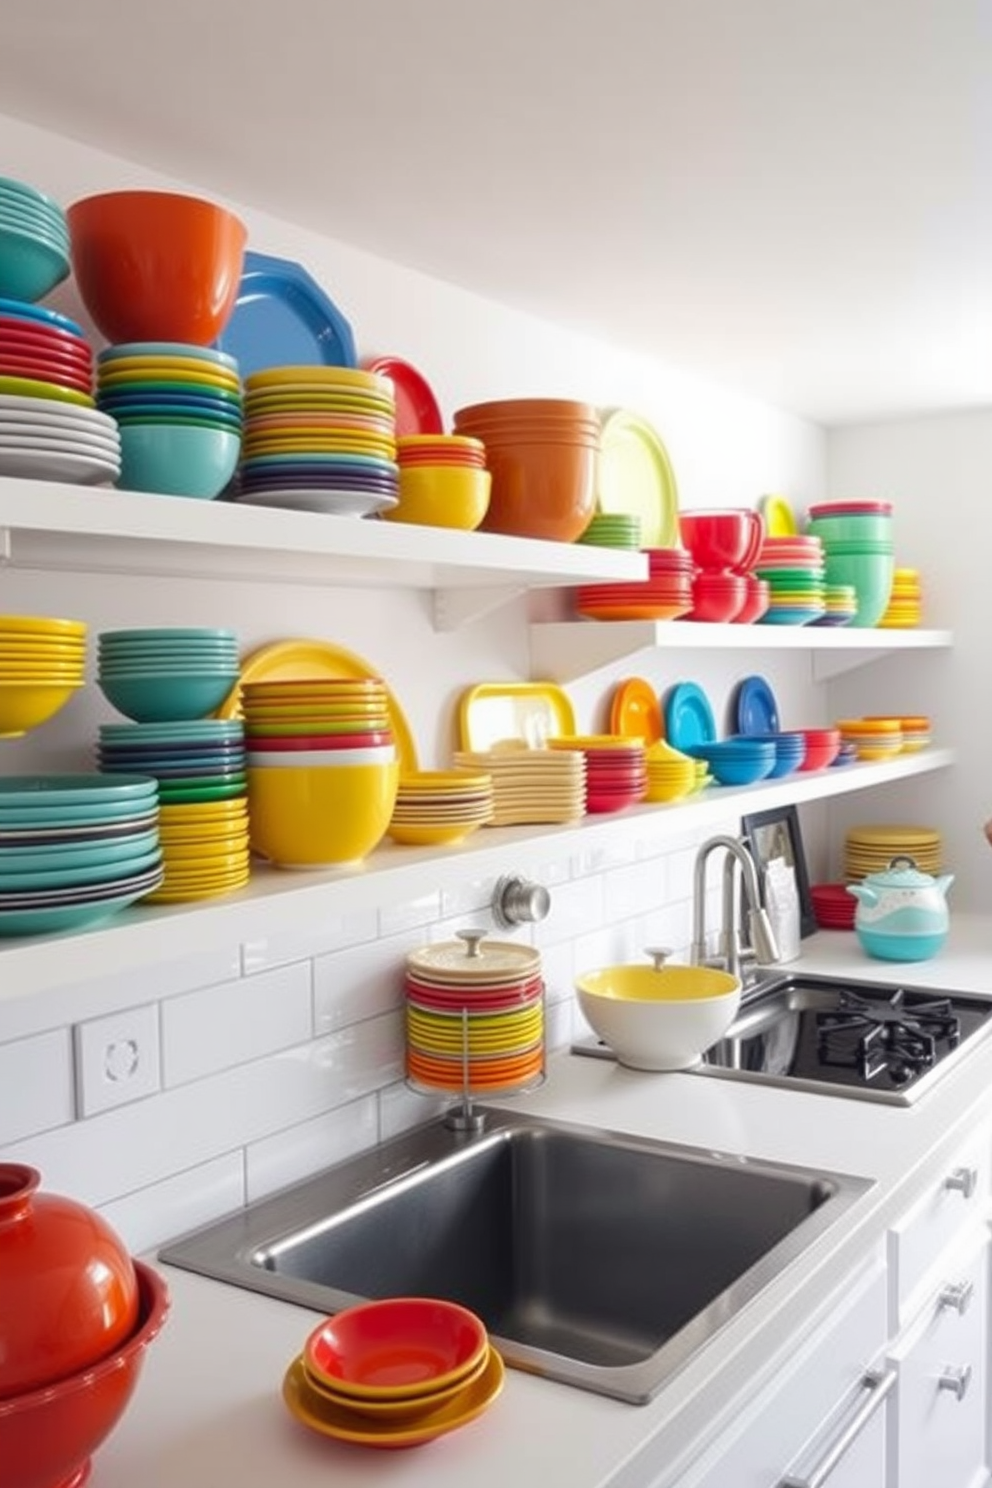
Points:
(886, 1036)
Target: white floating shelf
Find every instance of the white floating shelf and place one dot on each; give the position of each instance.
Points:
(564, 650)
(141, 936)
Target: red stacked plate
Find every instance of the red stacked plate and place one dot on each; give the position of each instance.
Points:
(52, 351)
(833, 906)
(616, 769)
(664, 595)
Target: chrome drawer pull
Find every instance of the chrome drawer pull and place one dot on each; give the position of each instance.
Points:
(878, 1383)
(956, 1294)
(956, 1378)
(965, 1180)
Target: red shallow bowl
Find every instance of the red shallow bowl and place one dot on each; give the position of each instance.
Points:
(395, 1348)
(48, 1435)
(822, 747)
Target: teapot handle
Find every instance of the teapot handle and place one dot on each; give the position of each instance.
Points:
(903, 860)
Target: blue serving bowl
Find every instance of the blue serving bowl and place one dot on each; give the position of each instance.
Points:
(165, 697)
(178, 460)
(30, 265)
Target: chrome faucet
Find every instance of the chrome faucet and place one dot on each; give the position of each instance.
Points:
(735, 954)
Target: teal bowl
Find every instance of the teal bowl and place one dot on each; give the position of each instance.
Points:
(167, 697)
(178, 460)
(30, 265)
(871, 575)
(856, 527)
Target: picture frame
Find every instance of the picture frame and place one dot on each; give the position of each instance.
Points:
(774, 834)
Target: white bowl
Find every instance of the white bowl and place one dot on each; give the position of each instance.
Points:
(659, 1018)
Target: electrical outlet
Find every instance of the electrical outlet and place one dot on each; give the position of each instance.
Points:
(117, 1059)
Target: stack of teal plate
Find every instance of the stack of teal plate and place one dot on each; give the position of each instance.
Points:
(75, 849)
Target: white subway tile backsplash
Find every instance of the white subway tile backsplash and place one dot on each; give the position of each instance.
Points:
(400, 1108)
(361, 982)
(575, 907)
(634, 890)
(612, 854)
(194, 1197)
(332, 934)
(395, 918)
(36, 1084)
(304, 1149)
(472, 897)
(219, 1027)
(558, 967)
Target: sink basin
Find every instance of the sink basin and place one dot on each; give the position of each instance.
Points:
(596, 1259)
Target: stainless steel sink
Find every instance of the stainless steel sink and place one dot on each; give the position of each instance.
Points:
(596, 1259)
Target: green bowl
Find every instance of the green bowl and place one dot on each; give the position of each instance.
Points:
(178, 459)
(871, 576)
(167, 697)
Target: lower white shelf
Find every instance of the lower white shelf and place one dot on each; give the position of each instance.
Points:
(276, 901)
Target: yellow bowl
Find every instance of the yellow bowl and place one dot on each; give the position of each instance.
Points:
(442, 496)
(411, 835)
(311, 817)
(670, 789)
(23, 705)
(659, 1018)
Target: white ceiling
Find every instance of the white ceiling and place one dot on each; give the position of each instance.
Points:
(790, 197)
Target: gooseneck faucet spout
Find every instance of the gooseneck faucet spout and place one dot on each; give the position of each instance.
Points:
(734, 955)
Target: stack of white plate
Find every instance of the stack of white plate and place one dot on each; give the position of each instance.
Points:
(531, 785)
(48, 439)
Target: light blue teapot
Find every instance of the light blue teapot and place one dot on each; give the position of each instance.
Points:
(902, 914)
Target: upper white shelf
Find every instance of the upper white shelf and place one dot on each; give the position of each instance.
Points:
(140, 936)
(73, 527)
(564, 650)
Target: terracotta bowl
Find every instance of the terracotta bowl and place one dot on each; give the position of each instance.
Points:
(541, 488)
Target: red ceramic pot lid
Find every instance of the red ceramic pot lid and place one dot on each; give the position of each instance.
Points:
(417, 411)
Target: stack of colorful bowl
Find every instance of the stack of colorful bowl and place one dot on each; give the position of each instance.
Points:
(914, 727)
(75, 849)
(859, 550)
(613, 530)
(616, 771)
(42, 661)
(671, 774)
(870, 849)
(905, 607)
(530, 786)
(440, 806)
(790, 750)
(739, 760)
(873, 738)
(474, 1015)
(320, 439)
(178, 407)
(169, 675)
(443, 481)
(664, 595)
(203, 820)
(793, 568)
(34, 242)
(542, 454)
(394, 1373)
(723, 545)
(322, 769)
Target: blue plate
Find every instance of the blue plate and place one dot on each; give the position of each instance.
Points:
(755, 708)
(23, 310)
(688, 717)
(282, 318)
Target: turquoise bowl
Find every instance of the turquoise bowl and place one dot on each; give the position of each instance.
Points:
(165, 697)
(178, 460)
(871, 576)
(30, 265)
(855, 527)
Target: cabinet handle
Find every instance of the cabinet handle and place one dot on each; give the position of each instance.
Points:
(877, 1383)
(965, 1180)
(956, 1378)
(956, 1294)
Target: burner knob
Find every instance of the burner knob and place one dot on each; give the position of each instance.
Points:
(956, 1378)
(956, 1294)
(965, 1180)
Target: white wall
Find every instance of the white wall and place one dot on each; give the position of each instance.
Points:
(935, 470)
(279, 1057)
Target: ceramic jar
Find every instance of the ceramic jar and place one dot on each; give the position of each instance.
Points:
(68, 1288)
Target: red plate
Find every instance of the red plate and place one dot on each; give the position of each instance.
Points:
(45, 371)
(417, 411)
(27, 346)
(318, 741)
(35, 330)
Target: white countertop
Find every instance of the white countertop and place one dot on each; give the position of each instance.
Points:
(207, 1412)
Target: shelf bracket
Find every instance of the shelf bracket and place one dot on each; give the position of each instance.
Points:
(6, 548)
(456, 607)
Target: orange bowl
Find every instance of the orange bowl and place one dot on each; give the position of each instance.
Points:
(48, 1435)
(156, 265)
(542, 489)
(396, 1348)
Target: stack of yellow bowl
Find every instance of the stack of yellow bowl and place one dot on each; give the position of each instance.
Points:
(671, 774)
(440, 806)
(873, 738)
(42, 662)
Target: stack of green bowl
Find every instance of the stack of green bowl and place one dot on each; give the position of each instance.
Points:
(859, 550)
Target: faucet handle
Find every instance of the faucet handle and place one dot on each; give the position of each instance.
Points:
(659, 955)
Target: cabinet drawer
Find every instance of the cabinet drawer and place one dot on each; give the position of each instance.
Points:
(937, 1425)
(955, 1200)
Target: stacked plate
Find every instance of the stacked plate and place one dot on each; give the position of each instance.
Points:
(613, 530)
(664, 595)
(44, 348)
(905, 607)
(873, 738)
(75, 849)
(616, 772)
(319, 439)
(840, 605)
(196, 764)
(316, 717)
(474, 1015)
(34, 242)
(168, 675)
(530, 786)
(793, 567)
(42, 661)
(670, 773)
(440, 806)
(169, 382)
(870, 849)
(833, 906)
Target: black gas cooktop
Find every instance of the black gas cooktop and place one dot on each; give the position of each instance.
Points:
(872, 1041)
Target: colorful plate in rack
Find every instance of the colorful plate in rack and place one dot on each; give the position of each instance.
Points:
(755, 707)
(305, 660)
(688, 716)
(532, 712)
(635, 711)
(282, 317)
(635, 477)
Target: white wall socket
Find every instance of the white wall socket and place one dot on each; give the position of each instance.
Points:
(117, 1059)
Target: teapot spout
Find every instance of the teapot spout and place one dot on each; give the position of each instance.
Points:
(943, 882)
